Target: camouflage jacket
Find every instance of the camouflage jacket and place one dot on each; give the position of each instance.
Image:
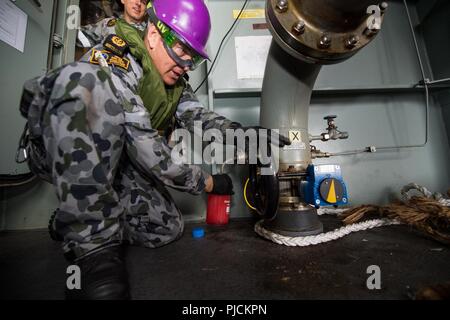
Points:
(92, 34)
(99, 87)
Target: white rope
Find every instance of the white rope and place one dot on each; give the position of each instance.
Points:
(323, 237)
(428, 194)
(331, 211)
(343, 231)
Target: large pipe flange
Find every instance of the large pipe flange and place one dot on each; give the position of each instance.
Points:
(324, 32)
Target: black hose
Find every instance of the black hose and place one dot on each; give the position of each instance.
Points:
(220, 46)
(7, 180)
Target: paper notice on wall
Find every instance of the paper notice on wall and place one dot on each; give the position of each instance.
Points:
(13, 25)
(251, 56)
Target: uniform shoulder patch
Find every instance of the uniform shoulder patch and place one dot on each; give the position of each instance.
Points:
(112, 22)
(110, 58)
(116, 45)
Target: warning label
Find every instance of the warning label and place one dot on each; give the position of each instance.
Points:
(295, 136)
(250, 14)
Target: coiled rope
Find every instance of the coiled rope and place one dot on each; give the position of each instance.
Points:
(323, 237)
(430, 213)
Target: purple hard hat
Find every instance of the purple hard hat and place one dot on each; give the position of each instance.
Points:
(189, 19)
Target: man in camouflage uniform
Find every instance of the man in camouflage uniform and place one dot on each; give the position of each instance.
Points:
(92, 34)
(107, 161)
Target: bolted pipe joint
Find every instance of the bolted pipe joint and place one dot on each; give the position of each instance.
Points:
(383, 7)
(370, 32)
(282, 6)
(299, 27)
(351, 42)
(325, 41)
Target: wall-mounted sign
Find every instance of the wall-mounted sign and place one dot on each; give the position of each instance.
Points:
(13, 25)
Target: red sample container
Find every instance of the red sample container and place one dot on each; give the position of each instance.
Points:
(218, 210)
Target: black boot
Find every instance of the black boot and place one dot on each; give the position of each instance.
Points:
(103, 276)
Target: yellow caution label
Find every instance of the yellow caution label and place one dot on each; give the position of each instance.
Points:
(249, 14)
(332, 194)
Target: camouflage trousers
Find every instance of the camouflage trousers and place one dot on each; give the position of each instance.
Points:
(103, 199)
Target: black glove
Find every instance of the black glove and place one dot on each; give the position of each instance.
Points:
(222, 184)
(269, 134)
(263, 135)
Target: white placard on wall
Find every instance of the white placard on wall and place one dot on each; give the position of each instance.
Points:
(13, 25)
(251, 56)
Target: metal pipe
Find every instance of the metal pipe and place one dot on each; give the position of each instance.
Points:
(285, 99)
(422, 69)
(52, 32)
(350, 152)
(306, 35)
(439, 81)
(426, 82)
(324, 31)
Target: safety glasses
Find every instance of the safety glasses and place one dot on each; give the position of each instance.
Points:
(175, 46)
